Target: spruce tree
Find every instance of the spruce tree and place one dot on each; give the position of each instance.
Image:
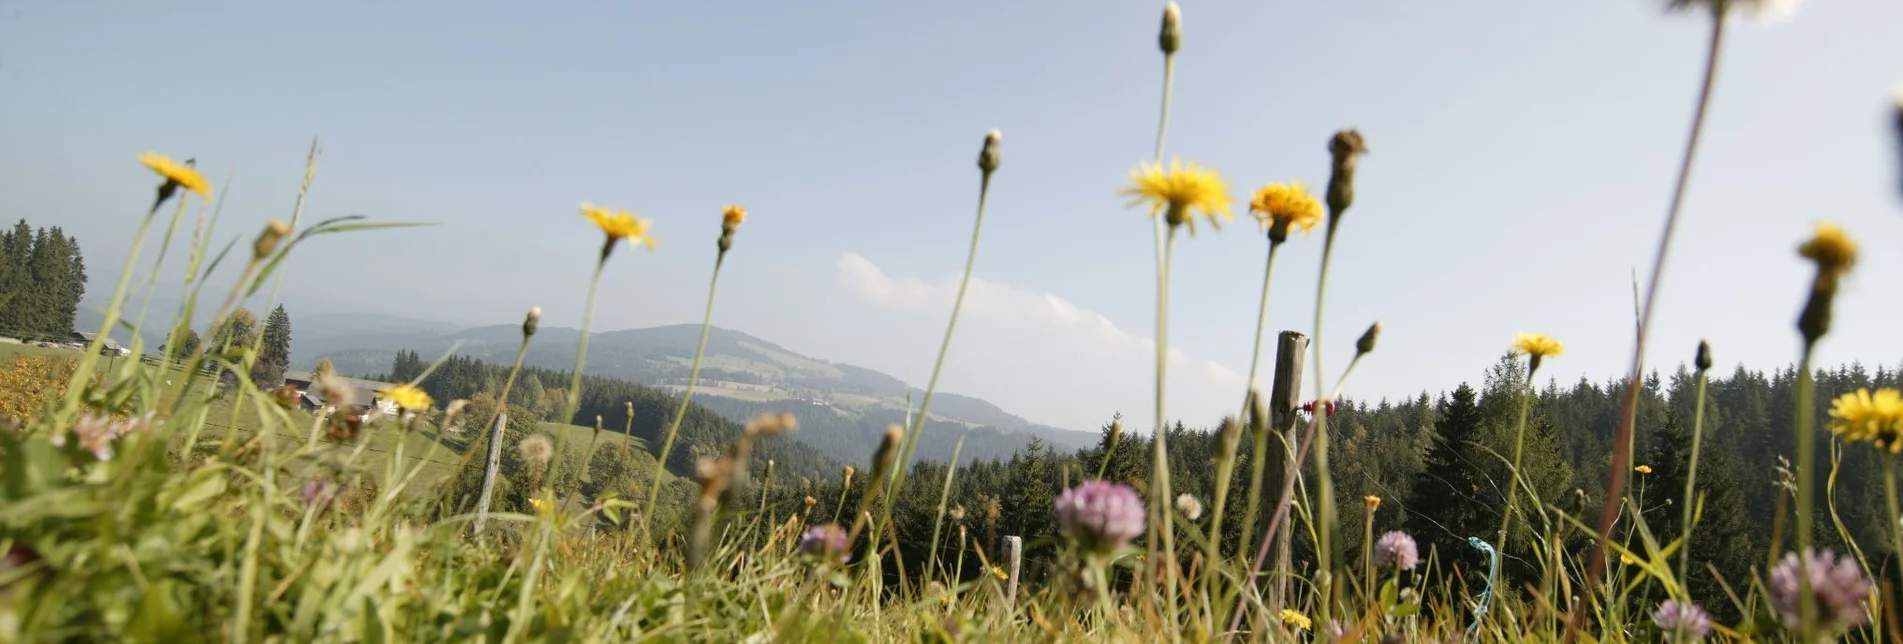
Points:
(274, 354)
(1444, 507)
(324, 368)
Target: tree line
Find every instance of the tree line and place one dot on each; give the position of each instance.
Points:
(42, 279)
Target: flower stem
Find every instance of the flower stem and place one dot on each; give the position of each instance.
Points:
(574, 382)
(75, 385)
(680, 413)
(1160, 468)
(1889, 497)
(1806, 495)
(1621, 442)
(1519, 451)
(1258, 469)
(1325, 483)
(1691, 487)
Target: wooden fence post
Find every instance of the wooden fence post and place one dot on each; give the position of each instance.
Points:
(1013, 552)
(1284, 399)
(489, 473)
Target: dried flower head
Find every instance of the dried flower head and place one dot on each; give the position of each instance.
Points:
(1280, 206)
(1875, 417)
(618, 225)
(1344, 151)
(1682, 618)
(408, 397)
(532, 321)
(1837, 586)
(1187, 504)
(847, 472)
(1100, 516)
(1296, 620)
(1180, 192)
(958, 512)
(810, 501)
(267, 243)
(285, 396)
(177, 175)
(1397, 549)
(826, 542)
(537, 449)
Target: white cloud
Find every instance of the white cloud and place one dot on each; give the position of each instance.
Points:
(1051, 322)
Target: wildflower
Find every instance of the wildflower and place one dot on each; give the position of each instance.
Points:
(1397, 548)
(177, 175)
(1100, 516)
(537, 503)
(1344, 151)
(810, 501)
(1683, 618)
(1837, 586)
(1278, 206)
(1296, 620)
(1866, 416)
(1365, 345)
(532, 321)
(1180, 192)
(958, 512)
(730, 220)
(1831, 249)
(1171, 38)
(1536, 346)
(618, 225)
(1627, 559)
(319, 493)
(268, 240)
(847, 472)
(1834, 253)
(825, 542)
(999, 573)
(1334, 631)
(95, 435)
(536, 449)
(988, 156)
(1373, 502)
(1643, 469)
(408, 397)
(1187, 504)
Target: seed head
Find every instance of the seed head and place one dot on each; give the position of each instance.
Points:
(1345, 150)
(1187, 504)
(532, 322)
(267, 243)
(537, 449)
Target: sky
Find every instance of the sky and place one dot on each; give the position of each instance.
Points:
(1521, 159)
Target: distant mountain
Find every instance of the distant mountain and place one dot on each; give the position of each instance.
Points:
(843, 408)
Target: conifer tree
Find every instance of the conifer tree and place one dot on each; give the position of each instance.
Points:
(274, 354)
(1445, 508)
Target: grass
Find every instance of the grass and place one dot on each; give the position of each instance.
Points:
(111, 533)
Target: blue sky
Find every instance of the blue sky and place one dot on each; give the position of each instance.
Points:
(1521, 158)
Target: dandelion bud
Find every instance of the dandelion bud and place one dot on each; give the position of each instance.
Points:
(1116, 431)
(1373, 502)
(988, 158)
(267, 243)
(1365, 345)
(1171, 39)
(1345, 149)
(730, 220)
(530, 323)
(1703, 360)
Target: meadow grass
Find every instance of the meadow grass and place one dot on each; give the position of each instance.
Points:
(144, 505)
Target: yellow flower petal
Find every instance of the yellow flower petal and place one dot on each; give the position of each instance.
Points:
(1831, 248)
(1181, 192)
(619, 224)
(408, 397)
(185, 176)
(1538, 345)
(1286, 202)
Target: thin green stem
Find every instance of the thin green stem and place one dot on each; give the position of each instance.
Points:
(75, 385)
(1519, 451)
(944, 498)
(1691, 485)
(1628, 414)
(574, 382)
(1160, 467)
(1325, 483)
(1261, 323)
(152, 280)
(687, 395)
(1889, 498)
(903, 467)
(1806, 494)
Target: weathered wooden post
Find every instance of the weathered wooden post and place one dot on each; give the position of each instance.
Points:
(489, 473)
(1284, 394)
(1013, 552)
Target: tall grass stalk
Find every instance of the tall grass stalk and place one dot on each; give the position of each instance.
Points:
(988, 160)
(76, 383)
(1519, 451)
(1324, 482)
(687, 395)
(574, 382)
(1691, 473)
(1258, 469)
(1806, 490)
(1160, 466)
(1890, 506)
(938, 520)
(1628, 413)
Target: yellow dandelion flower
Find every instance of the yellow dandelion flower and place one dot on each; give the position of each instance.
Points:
(185, 176)
(537, 503)
(1832, 250)
(1288, 203)
(1875, 417)
(1180, 192)
(619, 224)
(408, 397)
(1538, 345)
(999, 573)
(1643, 469)
(1627, 559)
(1296, 620)
(1374, 502)
(733, 216)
